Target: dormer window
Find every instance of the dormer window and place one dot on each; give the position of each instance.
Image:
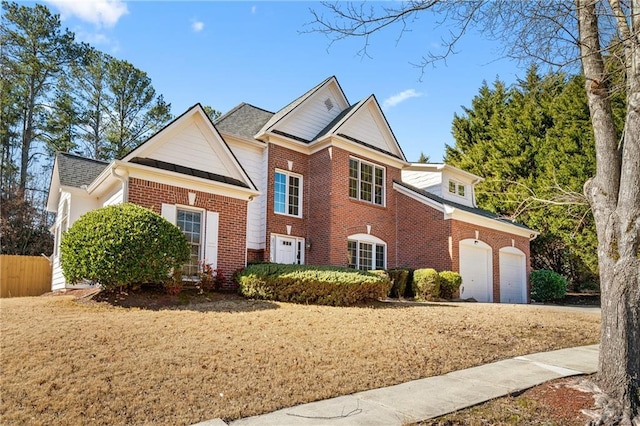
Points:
(456, 188)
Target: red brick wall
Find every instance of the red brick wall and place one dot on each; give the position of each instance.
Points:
(423, 236)
(232, 212)
(277, 223)
(319, 227)
(495, 239)
(329, 232)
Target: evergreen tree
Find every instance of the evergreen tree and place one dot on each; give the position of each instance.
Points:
(134, 112)
(34, 51)
(534, 146)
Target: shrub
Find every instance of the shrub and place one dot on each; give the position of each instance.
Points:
(449, 284)
(426, 284)
(323, 285)
(399, 277)
(119, 245)
(547, 285)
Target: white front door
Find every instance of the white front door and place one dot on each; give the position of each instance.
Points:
(513, 285)
(475, 269)
(285, 250)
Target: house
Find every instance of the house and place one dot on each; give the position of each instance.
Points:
(321, 181)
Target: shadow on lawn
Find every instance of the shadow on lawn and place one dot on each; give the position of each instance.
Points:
(187, 300)
(403, 303)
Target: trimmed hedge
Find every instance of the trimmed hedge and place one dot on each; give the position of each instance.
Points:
(426, 284)
(547, 285)
(120, 245)
(322, 285)
(449, 284)
(399, 277)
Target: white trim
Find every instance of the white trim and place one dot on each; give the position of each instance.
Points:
(418, 197)
(373, 182)
(467, 217)
(440, 167)
(375, 242)
(300, 192)
(299, 249)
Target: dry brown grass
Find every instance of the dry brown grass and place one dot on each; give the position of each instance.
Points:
(68, 363)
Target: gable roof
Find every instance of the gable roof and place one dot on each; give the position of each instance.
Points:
(474, 210)
(163, 165)
(77, 171)
(196, 127)
(243, 120)
(278, 116)
(349, 114)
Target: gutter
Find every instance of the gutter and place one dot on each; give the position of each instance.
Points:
(124, 178)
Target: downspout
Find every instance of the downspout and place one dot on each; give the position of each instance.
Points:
(124, 178)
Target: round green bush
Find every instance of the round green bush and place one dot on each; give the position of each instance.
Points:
(449, 284)
(119, 245)
(426, 284)
(547, 285)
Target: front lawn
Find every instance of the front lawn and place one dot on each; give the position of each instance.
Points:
(64, 362)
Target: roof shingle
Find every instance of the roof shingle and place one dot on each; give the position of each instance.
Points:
(76, 171)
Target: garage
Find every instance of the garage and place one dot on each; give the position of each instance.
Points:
(476, 270)
(513, 276)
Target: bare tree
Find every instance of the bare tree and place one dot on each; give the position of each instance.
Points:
(562, 34)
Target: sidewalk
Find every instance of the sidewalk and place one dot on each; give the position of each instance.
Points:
(434, 396)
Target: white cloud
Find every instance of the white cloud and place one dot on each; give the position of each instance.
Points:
(197, 26)
(394, 100)
(97, 39)
(254, 9)
(99, 12)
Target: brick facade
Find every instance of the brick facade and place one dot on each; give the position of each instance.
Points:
(279, 158)
(497, 240)
(427, 240)
(423, 236)
(232, 216)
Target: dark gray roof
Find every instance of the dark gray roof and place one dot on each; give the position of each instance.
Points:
(77, 171)
(243, 120)
(163, 165)
(474, 210)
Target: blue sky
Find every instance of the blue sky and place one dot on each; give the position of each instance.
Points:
(224, 53)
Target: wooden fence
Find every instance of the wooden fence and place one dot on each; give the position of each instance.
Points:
(24, 276)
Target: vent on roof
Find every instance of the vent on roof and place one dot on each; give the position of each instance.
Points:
(328, 104)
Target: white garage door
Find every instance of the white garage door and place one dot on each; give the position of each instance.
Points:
(513, 276)
(476, 271)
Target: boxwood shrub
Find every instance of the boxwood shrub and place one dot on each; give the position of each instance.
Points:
(322, 285)
(547, 285)
(426, 284)
(119, 245)
(449, 284)
(399, 278)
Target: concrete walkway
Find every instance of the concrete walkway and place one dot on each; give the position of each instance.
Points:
(434, 396)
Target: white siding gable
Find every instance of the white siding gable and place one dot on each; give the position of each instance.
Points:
(314, 114)
(367, 125)
(194, 146)
(428, 181)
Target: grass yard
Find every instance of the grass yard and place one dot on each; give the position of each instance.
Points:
(65, 362)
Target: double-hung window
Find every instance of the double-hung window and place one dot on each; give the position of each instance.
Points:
(287, 193)
(366, 255)
(366, 182)
(456, 188)
(190, 223)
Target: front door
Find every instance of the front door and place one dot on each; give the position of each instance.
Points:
(285, 250)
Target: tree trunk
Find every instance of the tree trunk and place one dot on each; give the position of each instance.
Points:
(614, 194)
